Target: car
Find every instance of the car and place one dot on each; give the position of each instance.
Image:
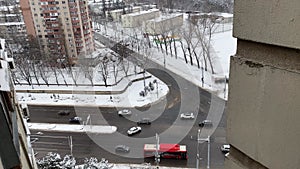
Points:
(75, 120)
(225, 148)
(63, 112)
(206, 123)
(134, 130)
(124, 112)
(122, 149)
(144, 121)
(187, 116)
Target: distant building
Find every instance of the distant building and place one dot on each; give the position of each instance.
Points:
(116, 14)
(63, 27)
(138, 18)
(164, 23)
(15, 147)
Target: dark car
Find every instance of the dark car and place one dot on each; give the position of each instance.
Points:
(144, 121)
(63, 112)
(122, 149)
(75, 120)
(206, 123)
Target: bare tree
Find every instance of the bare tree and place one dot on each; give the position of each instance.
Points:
(104, 63)
(206, 26)
(125, 65)
(87, 67)
(115, 70)
(24, 69)
(187, 35)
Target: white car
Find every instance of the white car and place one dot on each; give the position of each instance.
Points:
(225, 148)
(134, 130)
(187, 116)
(124, 112)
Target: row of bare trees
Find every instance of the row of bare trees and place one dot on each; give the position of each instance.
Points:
(194, 39)
(45, 71)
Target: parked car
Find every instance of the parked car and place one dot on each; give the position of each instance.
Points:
(144, 121)
(75, 120)
(63, 112)
(225, 148)
(187, 115)
(134, 130)
(206, 123)
(124, 112)
(122, 149)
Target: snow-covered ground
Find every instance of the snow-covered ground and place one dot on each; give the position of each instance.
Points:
(223, 45)
(127, 94)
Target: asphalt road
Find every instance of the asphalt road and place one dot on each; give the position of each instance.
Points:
(166, 122)
(183, 97)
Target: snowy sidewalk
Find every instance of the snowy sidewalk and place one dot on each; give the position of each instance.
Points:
(129, 98)
(96, 129)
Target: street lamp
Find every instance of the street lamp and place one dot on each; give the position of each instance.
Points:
(157, 158)
(71, 145)
(200, 140)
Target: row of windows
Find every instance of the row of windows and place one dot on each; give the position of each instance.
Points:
(49, 3)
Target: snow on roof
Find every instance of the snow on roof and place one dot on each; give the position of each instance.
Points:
(142, 12)
(165, 17)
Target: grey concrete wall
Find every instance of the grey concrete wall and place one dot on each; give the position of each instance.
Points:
(264, 112)
(273, 21)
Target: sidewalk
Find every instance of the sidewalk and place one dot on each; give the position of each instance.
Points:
(124, 94)
(96, 129)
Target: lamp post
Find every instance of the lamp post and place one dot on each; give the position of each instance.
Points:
(71, 145)
(157, 158)
(200, 140)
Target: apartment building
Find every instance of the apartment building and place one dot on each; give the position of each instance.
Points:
(116, 14)
(138, 18)
(164, 23)
(15, 148)
(63, 27)
(263, 112)
(12, 26)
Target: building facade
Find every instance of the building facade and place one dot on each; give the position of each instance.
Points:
(138, 18)
(117, 13)
(15, 148)
(63, 27)
(164, 23)
(263, 112)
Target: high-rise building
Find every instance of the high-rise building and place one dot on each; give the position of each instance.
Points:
(62, 27)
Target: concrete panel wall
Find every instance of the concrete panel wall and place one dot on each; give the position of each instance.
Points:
(264, 112)
(273, 21)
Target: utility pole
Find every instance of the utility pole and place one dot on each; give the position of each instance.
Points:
(200, 140)
(157, 158)
(71, 145)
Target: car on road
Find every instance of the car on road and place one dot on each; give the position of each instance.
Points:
(63, 112)
(144, 121)
(75, 120)
(124, 112)
(225, 148)
(122, 149)
(187, 115)
(134, 130)
(206, 123)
